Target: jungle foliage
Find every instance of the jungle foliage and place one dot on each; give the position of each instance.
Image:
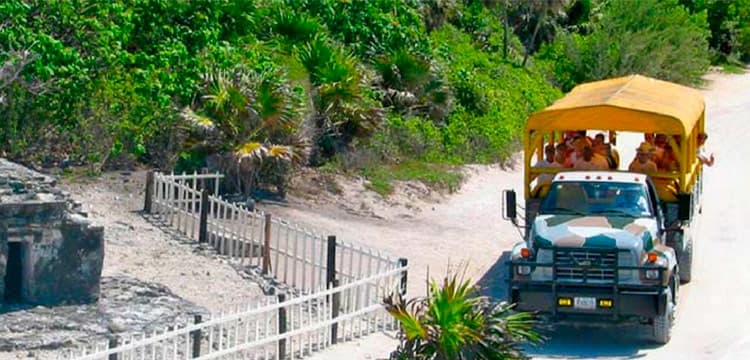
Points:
(356, 84)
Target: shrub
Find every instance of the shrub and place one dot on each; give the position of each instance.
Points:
(451, 322)
(413, 85)
(372, 27)
(651, 37)
(494, 98)
(729, 22)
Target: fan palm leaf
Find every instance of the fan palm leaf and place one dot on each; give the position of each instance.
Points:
(452, 322)
(250, 149)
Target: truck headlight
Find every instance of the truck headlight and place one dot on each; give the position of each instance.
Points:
(652, 274)
(523, 269)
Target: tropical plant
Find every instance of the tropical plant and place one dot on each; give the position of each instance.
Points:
(651, 37)
(413, 85)
(371, 27)
(729, 22)
(437, 12)
(297, 27)
(342, 109)
(248, 118)
(544, 10)
(452, 322)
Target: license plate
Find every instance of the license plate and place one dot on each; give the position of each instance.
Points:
(584, 303)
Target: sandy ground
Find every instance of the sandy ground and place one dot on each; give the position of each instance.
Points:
(137, 248)
(713, 310)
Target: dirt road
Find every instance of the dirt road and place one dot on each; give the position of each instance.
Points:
(713, 320)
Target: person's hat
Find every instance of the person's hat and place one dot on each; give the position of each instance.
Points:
(645, 148)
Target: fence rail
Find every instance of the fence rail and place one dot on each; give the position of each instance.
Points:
(338, 286)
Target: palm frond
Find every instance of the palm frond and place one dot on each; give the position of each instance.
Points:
(197, 121)
(452, 322)
(281, 152)
(250, 149)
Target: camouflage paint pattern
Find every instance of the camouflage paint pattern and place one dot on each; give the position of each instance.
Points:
(602, 232)
(608, 232)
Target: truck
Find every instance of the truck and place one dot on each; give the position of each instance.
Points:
(608, 247)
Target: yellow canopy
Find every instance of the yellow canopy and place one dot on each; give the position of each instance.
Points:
(631, 103)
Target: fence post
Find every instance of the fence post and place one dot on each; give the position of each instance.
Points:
(204, 171)
(203, 225)
(267, 245)
(112, 345)
(196, 334)
(216, 184)
(149, 192)
(331, 261)
(403, 262)
(282, 327)
(335, 305)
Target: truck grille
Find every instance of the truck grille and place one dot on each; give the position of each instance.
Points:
(582, 265)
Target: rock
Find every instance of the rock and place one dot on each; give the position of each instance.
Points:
(117, 326)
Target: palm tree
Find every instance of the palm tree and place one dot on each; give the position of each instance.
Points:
(247, 120)
(452, 322)
(342, 111)
(543, 9)
(413, 85)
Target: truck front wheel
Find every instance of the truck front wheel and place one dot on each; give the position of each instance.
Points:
(662, 327)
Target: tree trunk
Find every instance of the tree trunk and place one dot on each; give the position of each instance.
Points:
(505, 31)
(533, 40)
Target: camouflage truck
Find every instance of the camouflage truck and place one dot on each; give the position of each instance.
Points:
(609, 247)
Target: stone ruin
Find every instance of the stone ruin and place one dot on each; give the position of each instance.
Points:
(50, 253)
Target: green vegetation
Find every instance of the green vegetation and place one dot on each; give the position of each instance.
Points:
(673, 46)
(729, 22)
(438, 176)
(392, 89)
(452, 322)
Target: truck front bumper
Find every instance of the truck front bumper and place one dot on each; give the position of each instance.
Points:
(558, 301)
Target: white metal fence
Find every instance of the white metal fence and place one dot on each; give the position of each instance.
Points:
(339, 286)
(285, 329)
(293, 255)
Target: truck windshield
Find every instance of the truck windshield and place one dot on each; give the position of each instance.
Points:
(590, 198)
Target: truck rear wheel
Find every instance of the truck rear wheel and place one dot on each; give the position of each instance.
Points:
(662, 326)
(685, 260)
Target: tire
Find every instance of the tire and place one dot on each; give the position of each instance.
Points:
(685, 261)
(662, 327)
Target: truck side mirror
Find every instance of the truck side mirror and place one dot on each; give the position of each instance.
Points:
(509, 205)
(684, 206)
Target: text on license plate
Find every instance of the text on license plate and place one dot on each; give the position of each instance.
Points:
(585, 303)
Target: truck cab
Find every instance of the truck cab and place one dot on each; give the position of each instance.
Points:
(595, 252)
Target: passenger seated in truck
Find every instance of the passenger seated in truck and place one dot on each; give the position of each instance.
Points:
(704, 156)
(605, 150)
(598, 140)
(590, 161)
(642, 162)
(668, 160)
(659, 142)
(547, 162)
(649, 138)
(562, 155)
(578, 144)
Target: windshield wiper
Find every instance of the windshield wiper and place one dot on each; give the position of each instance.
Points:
(615, 211)
(562, 209)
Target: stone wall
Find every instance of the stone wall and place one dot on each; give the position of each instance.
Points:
(59, 251)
